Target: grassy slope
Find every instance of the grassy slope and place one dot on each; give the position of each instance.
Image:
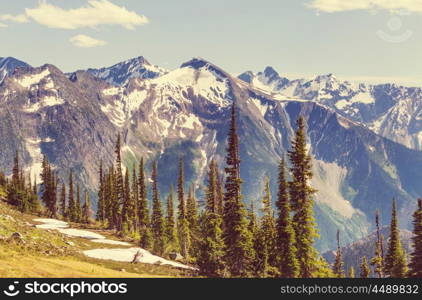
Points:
(47, 253)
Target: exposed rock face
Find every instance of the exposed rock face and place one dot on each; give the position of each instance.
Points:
(74, 120)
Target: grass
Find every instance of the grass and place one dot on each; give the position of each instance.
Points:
(48, 253)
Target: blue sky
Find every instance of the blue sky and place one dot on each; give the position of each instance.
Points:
(360, 40)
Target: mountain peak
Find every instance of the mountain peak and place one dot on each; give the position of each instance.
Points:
(198, 63)
(8, 65)
(121, 73)
(270, 72)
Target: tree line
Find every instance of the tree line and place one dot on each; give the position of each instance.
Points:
(224, 238)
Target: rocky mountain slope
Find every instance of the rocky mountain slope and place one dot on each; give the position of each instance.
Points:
(390, 110)
(74, 120)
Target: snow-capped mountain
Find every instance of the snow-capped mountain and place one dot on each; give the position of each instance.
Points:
(74, 120)
(120, 73)
(8, 66)
(387, 109)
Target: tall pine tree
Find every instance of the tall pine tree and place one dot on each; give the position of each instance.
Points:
(182, 221)
(416, 256)
(338, 267)
(157, 220)
(237, 238)
(378, 260)
(302, 203)
(286, 242)
(395, 260)
(143, 211)
(211, 248)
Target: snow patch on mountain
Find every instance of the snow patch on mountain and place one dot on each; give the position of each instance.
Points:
(28, 80)
(34, 150)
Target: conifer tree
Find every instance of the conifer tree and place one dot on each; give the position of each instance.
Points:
(157, 220)
(133, 213)
(72, 204)
(35, 205)
(237, 238)
(170, 223)
(351, 272)
(416, 256)
(286, 242)
(365, 271)
(78, 212)
(182, 222)
(87, 211)
(338, 267)
(395, 260)
(63, 211)
(220, 191)
(126, 205)
(193, 221)
(268, 225)
(143, 211)
(119, 187)
(302, 203)
(211, 248)
(101, 195)
(378, 261)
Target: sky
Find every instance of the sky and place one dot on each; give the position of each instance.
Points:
(360, 40)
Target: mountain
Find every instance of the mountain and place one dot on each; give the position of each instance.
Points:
(353, 253)
(119, 74)
(392, 111)
(8, 66)
(74, 120)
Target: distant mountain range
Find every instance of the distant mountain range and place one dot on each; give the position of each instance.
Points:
(365, 148)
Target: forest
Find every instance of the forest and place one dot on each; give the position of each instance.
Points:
(224, 237)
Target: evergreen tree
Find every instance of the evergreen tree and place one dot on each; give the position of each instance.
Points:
(378, 261)
(351, 272)
(211, 248)
(338, 267)
(395, 260)
(416, 256)
(63, 211)
(34, 203)
(157, 220)
(78, 210)
(170, 223)
(182, 222)
(133, 212)
(268, 226)
(119, 187)
(302, 203)
(71, 213)
(126, 206)
(365, 271)
(237, 238)
(87, 211)
(193, 221)
(101, 197)
(220, 191)
(286, 242)
(143, 212)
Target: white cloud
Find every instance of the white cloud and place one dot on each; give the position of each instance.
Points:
(84, 41)
(393, 6)
(97, 12)
(16, 19)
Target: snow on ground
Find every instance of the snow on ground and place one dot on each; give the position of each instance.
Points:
(51, 224)
(120, 254)
(80, 233)
(128, 254)
(110, 242)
